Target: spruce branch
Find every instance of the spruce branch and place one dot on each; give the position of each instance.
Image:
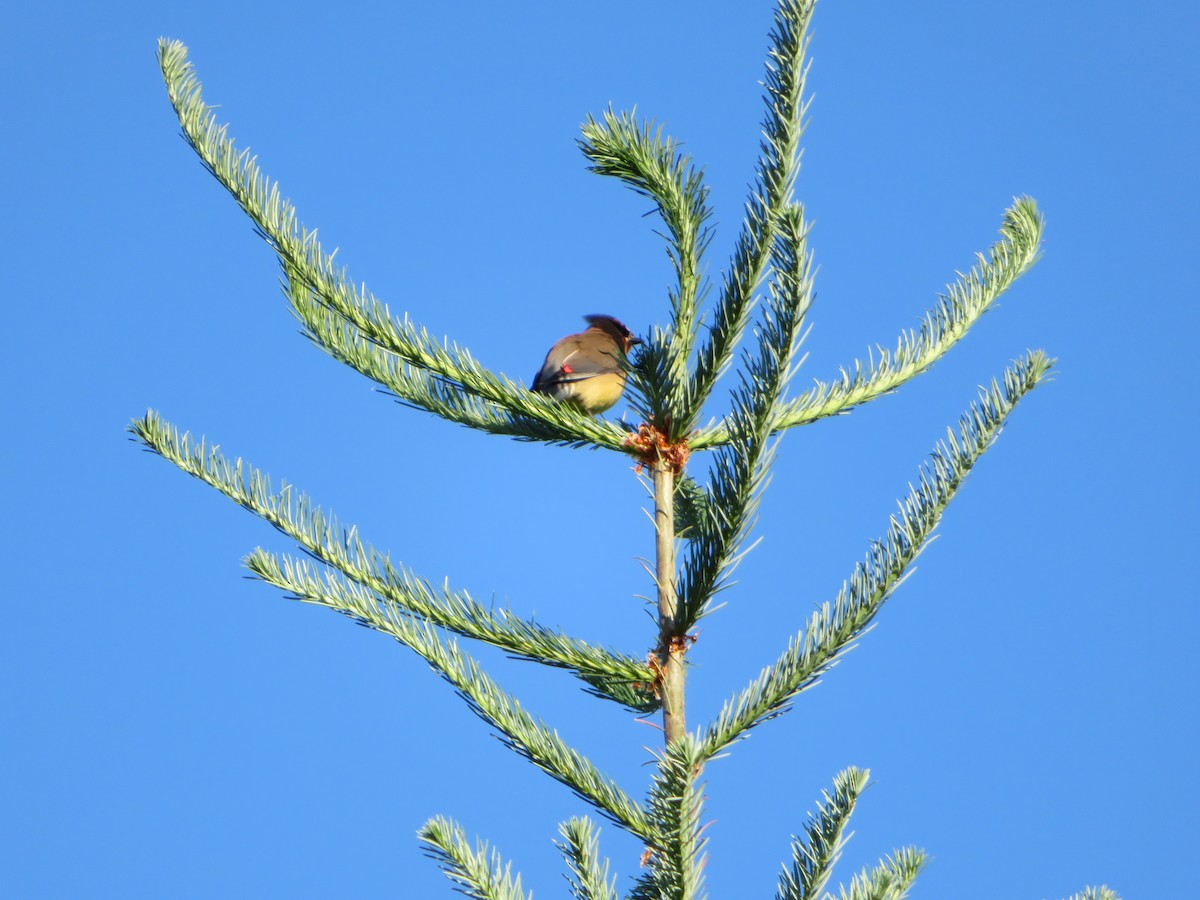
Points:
(469, 619)
(307, 265)
(478, 872)
(740, 468)
(520, 732)
(652, 165)
(419, 389)
(675, 864)
(776, 169)
(833, 627)
(942, 327)
(618, 677)
(890, 880)
(816, 853)
(589, 878)
(1103, 892)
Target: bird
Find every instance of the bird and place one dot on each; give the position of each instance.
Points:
(588, 369)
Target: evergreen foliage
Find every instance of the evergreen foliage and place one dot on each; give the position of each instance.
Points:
(768, 284)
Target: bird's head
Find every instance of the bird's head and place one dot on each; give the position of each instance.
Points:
(616, 329)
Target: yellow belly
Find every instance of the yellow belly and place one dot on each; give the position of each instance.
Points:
(598, 393)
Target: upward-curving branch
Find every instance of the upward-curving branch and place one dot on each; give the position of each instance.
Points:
(835, 626)
(637, 153)
(942, 327)
(412, 360)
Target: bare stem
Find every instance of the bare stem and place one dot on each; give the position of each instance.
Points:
(671, 646)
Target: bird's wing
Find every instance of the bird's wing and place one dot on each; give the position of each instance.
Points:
(576, 364)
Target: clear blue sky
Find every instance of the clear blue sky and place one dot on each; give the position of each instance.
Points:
(1026, 702)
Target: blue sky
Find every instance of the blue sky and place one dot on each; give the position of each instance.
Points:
(1025, 702)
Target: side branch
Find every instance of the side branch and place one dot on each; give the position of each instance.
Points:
(943, 327)
(816, 853)
(890, 880)
(589, 877)
(478, 872)
(310, 269)
(419, 388)
(639, 155)
(835, 626)
(622, 678)
(521, 732)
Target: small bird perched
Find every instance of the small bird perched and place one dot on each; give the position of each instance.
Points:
(587, 369)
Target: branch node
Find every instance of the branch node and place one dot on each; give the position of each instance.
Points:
(652, 448)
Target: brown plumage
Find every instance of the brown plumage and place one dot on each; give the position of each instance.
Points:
(587, 369)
